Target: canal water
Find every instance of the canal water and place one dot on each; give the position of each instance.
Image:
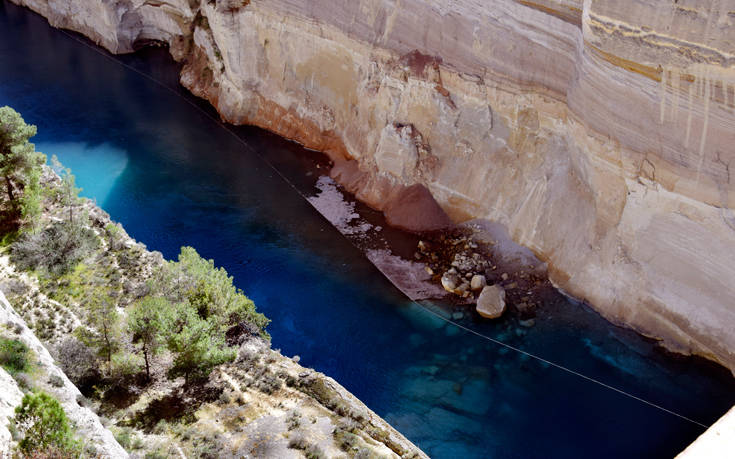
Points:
(159, 162)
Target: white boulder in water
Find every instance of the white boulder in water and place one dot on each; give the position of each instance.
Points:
(491, 302)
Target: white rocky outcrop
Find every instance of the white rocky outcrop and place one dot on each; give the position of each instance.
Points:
(598, 132)
(10, 397)
(717, 442)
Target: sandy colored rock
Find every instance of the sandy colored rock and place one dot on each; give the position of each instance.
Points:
(450, 281)
(478, 281)
(491, 302)
(10, 397)
(717, 442)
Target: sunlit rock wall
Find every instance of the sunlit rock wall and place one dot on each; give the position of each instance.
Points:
(600, 132)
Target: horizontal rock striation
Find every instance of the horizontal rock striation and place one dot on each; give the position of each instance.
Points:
(600, 133)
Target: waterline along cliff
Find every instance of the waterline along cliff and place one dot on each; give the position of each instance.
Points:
(599, 132)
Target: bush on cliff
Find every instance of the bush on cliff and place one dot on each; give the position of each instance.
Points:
(193, 304)
(197, 344)
(78, 362)
(208, 289)
(55, 249)
(20, 167)
(43, 428)
(14, 355)
(149, 323)
(103, 332)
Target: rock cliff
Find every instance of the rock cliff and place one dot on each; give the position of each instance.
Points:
(599, 132)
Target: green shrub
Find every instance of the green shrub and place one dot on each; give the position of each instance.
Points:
(148, 323)
(125, 437)
(208, 289)
(56, 381)
(42, 425)
(115, 236)
(14, 355)
(196, 344)
(125, 364)
(56, 249)
(20, 167)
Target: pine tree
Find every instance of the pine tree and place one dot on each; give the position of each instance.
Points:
(20, 163)
(45, 429)
(102, 317)
(68, 192)
(148, 323)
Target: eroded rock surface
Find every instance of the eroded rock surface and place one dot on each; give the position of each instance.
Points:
(599, 133)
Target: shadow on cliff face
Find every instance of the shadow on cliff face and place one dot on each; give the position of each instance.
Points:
(410, 208)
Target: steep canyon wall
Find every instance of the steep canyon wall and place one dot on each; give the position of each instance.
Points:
(601, 133)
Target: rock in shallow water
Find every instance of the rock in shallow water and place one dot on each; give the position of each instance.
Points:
(491, 302)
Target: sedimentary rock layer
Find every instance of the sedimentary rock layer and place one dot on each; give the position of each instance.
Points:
(600, 133)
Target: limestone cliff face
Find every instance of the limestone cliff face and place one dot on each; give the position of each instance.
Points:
(600, 133)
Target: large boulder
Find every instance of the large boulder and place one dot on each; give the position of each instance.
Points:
(491, 302)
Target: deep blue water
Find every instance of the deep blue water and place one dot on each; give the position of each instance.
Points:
(153, 157)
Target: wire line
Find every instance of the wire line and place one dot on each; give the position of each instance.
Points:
(220, 123)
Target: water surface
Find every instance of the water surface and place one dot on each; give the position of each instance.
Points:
(152, 156)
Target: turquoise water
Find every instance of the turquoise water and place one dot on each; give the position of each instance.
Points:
(153, 157)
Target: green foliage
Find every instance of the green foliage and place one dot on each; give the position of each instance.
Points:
(148, 323)
(104, 322)
(31, 203)
(68, 193)
(56, 249)
(124, 436)
(14, 356)
(18, 157)
(128, 438)
(197, 344)
(41, 422)
(208, 289)
(192, 305)
(115, 236)
(56, 381)
(124, 365)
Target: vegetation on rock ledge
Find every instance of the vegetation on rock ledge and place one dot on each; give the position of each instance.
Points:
(170, 354)
(114, 311)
